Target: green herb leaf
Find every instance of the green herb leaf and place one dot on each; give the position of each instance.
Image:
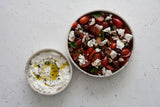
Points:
(97, 14)
(126, 44)
(73, 44)
(79, 51)
(38, 66)
(45, 79)
(93, 70)
(38, 76)
(47, 63)
(58, 78)
(102, 35)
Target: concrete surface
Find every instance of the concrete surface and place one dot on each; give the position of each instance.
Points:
(27, 26)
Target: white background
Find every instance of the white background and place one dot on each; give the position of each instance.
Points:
(27, 26)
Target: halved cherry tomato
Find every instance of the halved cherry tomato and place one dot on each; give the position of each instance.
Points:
(79, 42)
(92, 53)
(94, 30)
(98, 72)
(113, 45)
(100, 19)
(127, 30)
(125, 61)
(84, 19)
(125, 53)
(104, 24)
(96, 56)
(86, 64)
(110, 67)
(104, 61)
(76, 54)
(117, 22)
(89, 50)
(74, 25)
(81, 34)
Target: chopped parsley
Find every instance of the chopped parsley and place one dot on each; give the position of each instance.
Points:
(126, 44)
(73, 44)
(47, 63)
(38, 76)
(38, 66)
(102, 35)
(79, 51)
(58, 78)
(97, 14)
(93, 70)
(45, 79)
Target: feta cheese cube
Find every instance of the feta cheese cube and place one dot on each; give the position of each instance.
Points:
(102, 43)
(98, 50)
(128, 37)
(106, 72)
(71, 36)
(108, 30)
(113, 54)
(81, 60)
(92, 21)
(120, 44)
(91, 43)
(96, 63)
(121, 32)
(109, 17)
(99, 27)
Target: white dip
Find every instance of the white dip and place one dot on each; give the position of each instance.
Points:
(48, 72)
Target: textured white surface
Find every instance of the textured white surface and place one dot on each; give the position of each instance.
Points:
(27, 26)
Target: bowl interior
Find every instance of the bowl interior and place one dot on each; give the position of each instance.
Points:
(29, 62)
(120, 69)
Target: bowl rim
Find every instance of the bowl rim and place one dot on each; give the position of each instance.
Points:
(101, 76)
(35, 54)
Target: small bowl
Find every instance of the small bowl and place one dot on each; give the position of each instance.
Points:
(42, 51)
(100, 76)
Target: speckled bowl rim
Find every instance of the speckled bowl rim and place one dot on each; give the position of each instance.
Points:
(27, 67)
(101, 76)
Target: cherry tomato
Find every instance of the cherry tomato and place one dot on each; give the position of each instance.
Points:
(74, 25)
(81, 34)
(105, 25)
(76, 54)
(86, 64)
(127, 30)
(125, 61)
(113, 45)
(92, 53)
(100, 19)
(98, 72)
(96, 56)
(89, 50)
(125, 53)
(104, 61)
(79, 42)
(110, 67)
(117, 22)
(94, 30)
(84, 19)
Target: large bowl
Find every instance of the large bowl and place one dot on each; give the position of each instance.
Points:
(101, 76)
(27, 67)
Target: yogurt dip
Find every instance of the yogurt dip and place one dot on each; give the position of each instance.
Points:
(48, 72)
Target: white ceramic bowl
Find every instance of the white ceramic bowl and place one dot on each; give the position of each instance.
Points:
(87, 72)
(37, 53)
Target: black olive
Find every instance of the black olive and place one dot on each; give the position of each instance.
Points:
(76, 33)
(115, 64)
(84, 45)
(91, 36)
(107, 35)
(85, 28)
(118, 50)
(110, 22)
(102, 54)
